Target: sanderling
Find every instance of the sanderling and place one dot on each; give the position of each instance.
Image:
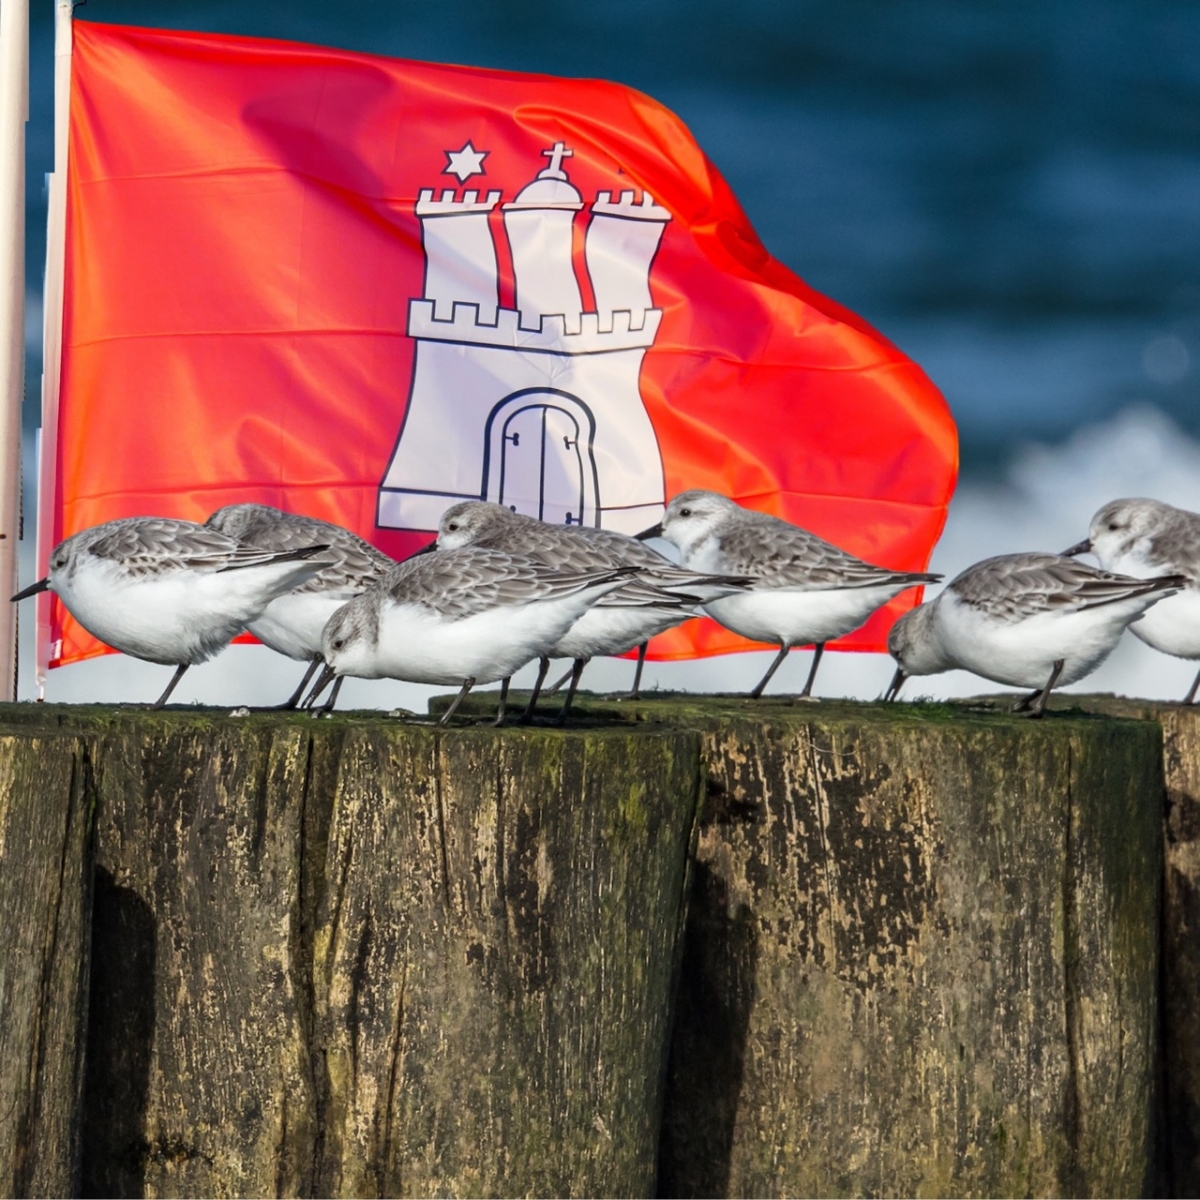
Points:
(168, 591)
(463, 616)
(292, 623)
(1145, 538)
(1028, 620)
(806, 591)
(657, 597)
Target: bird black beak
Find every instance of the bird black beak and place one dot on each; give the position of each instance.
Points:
(327, 676)
(33, 589)
(653, 531)
(1084, 547)
(895, 686)
(425, 549)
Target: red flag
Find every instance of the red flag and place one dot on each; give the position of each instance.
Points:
(363, 288)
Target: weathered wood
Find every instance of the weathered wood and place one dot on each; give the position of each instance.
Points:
(45, 877)
(922, 954)
(359, 957)
(495, 956)
(1180, 927)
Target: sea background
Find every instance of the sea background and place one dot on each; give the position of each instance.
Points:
(1008, 191)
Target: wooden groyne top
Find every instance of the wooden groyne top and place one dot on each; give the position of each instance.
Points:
(688, 946)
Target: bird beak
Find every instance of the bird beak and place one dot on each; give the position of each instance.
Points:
(895, 686)
(652, 532)
(425, 549)
(1084, 547)
(33, 589)
(323, 681)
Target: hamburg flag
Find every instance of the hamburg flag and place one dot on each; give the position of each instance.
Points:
(363, 288)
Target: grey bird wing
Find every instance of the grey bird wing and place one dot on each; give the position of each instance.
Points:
(353, 566)
(144, 545)
(779, 555)
(1177, 547)
(465, 582)
(1013, 586)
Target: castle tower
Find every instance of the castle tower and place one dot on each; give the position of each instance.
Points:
(539, 227)
(537, 407)
(460, 257)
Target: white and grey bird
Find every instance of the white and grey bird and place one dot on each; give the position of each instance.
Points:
(805, 591)
(1027, 620)
(292, 623)
(1145, 538)
(463, 616)
(657, 597)
(169, 591)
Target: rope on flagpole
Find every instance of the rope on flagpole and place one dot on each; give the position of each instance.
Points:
(52, 315)
(14, 112)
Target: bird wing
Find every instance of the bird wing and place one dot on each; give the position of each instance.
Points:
(1013, 586)
(780, 555)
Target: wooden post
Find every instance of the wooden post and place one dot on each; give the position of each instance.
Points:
(1181, 926)
(45, 908)
(355, 956)
(922, 955)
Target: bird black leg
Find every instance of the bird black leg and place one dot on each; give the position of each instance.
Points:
(1039, 706)
(1191, 696)
(325, 678)
(327, 707)
(527, 715)
(503, 701)
(818, 650)
(294, 698)
(1026, 702)
(894, 687)
(179, 670)
(576, 672)
(468, 684)
(783, 653)
(637, 675)
(557, 685)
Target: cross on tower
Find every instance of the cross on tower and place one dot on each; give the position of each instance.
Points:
(556, 154)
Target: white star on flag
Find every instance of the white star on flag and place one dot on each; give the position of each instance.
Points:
(465, 162)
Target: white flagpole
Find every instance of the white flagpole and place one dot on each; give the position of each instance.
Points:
(14, 112)
(52, 317)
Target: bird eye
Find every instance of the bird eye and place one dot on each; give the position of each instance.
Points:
(1113, 526)
(452, 526)
(685, 512)
(338, 643)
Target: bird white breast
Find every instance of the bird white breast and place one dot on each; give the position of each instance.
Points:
(177, 616)
(292, 623)
(615, 630)
(1173, 624)
(799, 617)
(418, 645)
(1022, 653)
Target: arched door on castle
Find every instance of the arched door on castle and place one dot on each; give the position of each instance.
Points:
(540, 458)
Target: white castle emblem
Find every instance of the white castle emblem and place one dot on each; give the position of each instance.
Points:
(538, 406)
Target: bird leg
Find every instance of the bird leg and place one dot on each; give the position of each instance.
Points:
(1191, 696)
(893, 689)
(1039, 706)
(294, 698)
(503, 701)
(818, 650)
(468, 684)
(783, 652)
(1026, 702)
(325, 678)
(327, 707)
(637, 675)
(179, 670)
(556, 687)
(527, 715)
(576, 672)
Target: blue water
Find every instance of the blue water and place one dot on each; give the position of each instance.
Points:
(1010, 191)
